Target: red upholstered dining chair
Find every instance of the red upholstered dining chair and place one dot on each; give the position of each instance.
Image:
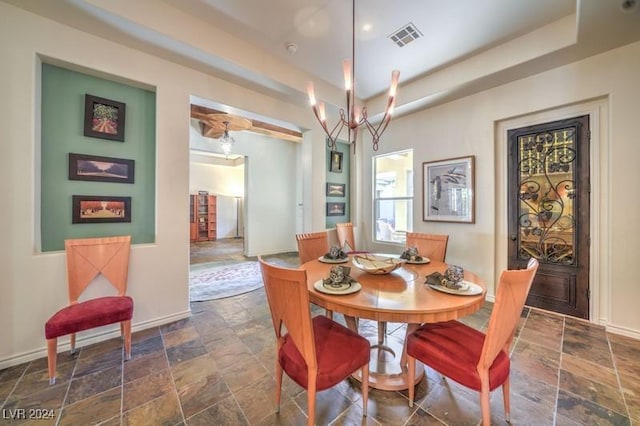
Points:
(316, 353)
(432, 246)
(86, 258)
(476, 360)
(312, 245)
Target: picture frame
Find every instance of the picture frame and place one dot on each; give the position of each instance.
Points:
(104, 118)
(336, 209)
(100, 209)
(335, 161)
(101, 169)
(448, 190)
(335, 189)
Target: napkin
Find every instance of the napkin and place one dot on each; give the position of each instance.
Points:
(335, 253)
(438, 279)
(338, 276)
(411, 253)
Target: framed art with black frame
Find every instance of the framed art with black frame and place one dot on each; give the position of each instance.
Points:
(335, 162)
(335, 209)
(100, 169)
(335, 189)
(104, 118)
(100, 209)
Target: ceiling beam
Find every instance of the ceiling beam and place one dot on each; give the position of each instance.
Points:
(200, 113)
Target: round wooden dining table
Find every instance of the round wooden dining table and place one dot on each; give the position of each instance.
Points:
(400, 297)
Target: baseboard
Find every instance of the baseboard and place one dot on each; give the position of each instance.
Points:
(623, 331)
(64, 345)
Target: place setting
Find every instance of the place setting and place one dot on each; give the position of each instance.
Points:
(412, 257)
(335, 255)
(452, 282)
(338, 283)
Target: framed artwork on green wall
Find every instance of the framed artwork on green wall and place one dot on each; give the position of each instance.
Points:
(100, 209)
(100, 169)
(104, 118)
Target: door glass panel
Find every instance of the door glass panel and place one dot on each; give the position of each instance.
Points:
(546, 217)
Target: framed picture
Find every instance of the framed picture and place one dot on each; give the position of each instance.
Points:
(335, 189)
(448, 190)
(335, 209)
(103, 118)
(101, 169)
(335, 163)
(100, 209)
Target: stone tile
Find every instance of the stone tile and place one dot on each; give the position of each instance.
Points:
(111, 345)
(544, 329)
(91, 384)
(330, 404)
(587, 412)
(388, 408)
(164, 410)
(146, 347)
(185, 352)
(626, 352)
(35, 382)
(12, 373)
(604, 395)
(98, 361)
(193, 370)
(290, 414)
(536, 361)
(176, 325)
(631, 389)
(257, 401)
(49, 398)
(198, 396)
(225, 412)
(228, 351)
(180, 336)
(243, 373)
(145, 334)
(587, 341)
(148, 388)
(92, 410)
(140, 367)
(525, 406)
(593, 371)
(452, 404)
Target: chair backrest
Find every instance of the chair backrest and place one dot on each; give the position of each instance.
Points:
(345, 236)
(288, 299)
(312, 245)
(88, 257)
(513, 289)
(432, 246)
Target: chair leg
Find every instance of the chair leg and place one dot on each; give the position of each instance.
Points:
(411, 373)
(329, 314)
(485, 394)
(365, 389)
(52, 358)
(278, 384)
(505, 397)
(125, 327)
(72, 342)
(311, 398)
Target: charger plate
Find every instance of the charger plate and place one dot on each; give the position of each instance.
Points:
(327, 260)
(472, 289)
(348, 288)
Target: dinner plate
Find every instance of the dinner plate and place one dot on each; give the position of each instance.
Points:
(424, 260)
(325, 260)
(472, 290)
(343, 289)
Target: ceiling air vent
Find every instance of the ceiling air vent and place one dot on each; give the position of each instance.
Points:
(405, 35)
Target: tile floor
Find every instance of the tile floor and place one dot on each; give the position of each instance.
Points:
(216, 368)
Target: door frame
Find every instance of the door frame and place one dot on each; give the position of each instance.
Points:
(599, 302)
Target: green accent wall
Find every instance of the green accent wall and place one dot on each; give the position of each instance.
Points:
(63, 97)
(343, 177)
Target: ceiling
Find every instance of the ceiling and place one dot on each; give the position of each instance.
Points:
(465, 46)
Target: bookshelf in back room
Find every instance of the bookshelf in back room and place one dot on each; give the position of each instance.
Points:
(203, 217)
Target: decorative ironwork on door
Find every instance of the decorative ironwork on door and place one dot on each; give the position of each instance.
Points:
(547, 182)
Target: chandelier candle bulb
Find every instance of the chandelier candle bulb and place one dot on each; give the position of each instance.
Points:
(346, 69)
(311, 93)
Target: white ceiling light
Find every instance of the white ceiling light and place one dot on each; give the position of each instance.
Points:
(226, 141)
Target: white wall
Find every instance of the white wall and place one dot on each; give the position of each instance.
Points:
(33, 284)
(469, 127)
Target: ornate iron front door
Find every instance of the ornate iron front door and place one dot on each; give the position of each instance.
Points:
(549, 212)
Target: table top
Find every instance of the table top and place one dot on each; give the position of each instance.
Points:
(401, 296)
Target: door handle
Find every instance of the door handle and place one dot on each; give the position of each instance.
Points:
(513, 237)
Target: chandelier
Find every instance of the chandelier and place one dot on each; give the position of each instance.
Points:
(353, 117)
(226, 141)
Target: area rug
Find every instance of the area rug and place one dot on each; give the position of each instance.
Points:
(208, 282)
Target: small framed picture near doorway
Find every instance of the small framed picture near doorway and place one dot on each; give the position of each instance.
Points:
(335, 163)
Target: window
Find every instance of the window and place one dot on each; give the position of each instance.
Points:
(393, 196)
